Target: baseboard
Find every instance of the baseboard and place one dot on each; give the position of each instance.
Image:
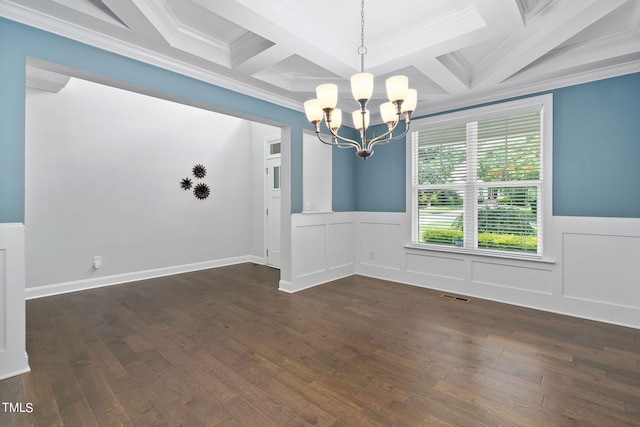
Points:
(18, 367)
(257, 260)
(285, 286)
(13, 374)
(98, 282)
(289, 287)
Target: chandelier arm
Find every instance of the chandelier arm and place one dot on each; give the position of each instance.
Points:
(374, 141)
(382, 138)
(379, 138)
(347, 141)
(342, 144)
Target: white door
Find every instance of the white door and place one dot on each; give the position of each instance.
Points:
(273, 212)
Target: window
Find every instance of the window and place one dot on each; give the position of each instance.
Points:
(480, 179)
(275, 148)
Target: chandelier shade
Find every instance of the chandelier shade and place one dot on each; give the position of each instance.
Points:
(410, 102)
(402, 103)
(362, 86)
(388, 112)
(397, 87)
(313, 111)
(360, 119)
(327, 95)
(336, 119)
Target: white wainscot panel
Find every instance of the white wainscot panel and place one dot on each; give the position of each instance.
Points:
(438, 266)
(602, 268)
(513, 277)
(340, 244)
(381, 245)
(13, 357)
(3, 302)
(309, 250)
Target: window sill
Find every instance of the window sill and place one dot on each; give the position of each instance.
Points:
(481, 253)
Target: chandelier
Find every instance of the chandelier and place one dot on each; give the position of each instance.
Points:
(402, 102)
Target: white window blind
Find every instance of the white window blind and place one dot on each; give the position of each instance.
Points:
(478, 185)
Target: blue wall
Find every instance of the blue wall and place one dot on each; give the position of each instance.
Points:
(596, 155)
(596, 149)
(17, 42)
(381, 178)
(344, 181)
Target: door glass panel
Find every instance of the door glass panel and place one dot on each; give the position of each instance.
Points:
(275, 148)
(276, 177)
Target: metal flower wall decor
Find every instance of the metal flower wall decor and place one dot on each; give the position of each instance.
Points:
(201, 190)
(199, 171)
(186, 184)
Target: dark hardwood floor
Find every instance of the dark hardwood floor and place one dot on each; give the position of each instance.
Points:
(223, 347)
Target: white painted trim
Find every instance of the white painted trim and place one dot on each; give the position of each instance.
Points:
(315, 280)
(5, 375)
(257, 260)
(330, 258)
(285, 286)
(116, 279)
(511, 89)
(13, 356)
(541, 103)
(33, 18)
(525, 89)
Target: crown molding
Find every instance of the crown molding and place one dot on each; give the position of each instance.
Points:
(24, 15)
(38, 78)
(524, 89)
(184, 38)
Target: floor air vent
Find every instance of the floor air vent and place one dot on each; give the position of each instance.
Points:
(454, 297)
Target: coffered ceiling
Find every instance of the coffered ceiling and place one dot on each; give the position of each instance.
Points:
(455, 52)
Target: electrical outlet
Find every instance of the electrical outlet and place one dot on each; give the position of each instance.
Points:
(97, 262)
(372, 255)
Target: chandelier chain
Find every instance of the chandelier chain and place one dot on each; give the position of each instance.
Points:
(362, 24)
(362, 50)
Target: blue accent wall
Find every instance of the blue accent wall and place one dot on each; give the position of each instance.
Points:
(18, 41)
(596, 149)
(596, 155)
(343, 178)
(381, 179)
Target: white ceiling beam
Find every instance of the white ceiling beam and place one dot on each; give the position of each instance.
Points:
(606, 50)
(560, 21)
(285, 36)
(132, 17)
(441, 75)
(182, 37)
(500, 20)
(264, 59)
(427, 36)
(158, 15)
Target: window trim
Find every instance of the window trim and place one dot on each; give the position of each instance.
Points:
(543, 103)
